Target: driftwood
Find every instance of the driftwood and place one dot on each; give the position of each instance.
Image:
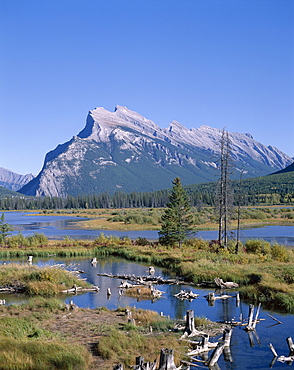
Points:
(12, 289)
(145, 279)
(76, 289)
(211, 297)
(218, 283)
(272, 317)
(289, 359)
(252, 323)
(183, 294)
(221, 346)
(228, 285)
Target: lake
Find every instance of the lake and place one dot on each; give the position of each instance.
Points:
(245, 354)
(59, 227)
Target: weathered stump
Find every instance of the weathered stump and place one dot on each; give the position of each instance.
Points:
(94, 261)
(211, 299)
(290, 345)
(151, 270)
(166, 361)
(118, 367)
(250, 318)
(227, 334)
(132, 322)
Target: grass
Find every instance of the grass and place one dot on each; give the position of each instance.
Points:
(124, 345)
(33, 280)
(25, 354)
(25, 344)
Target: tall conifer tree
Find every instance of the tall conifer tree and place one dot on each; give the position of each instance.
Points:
(177, 221)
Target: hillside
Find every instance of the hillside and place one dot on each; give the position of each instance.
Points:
(272, 189)
(8, 193)
(287, 169)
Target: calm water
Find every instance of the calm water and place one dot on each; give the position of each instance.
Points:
(244, 354)
(58, 227)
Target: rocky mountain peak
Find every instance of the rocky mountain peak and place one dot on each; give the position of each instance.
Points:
(124, 150)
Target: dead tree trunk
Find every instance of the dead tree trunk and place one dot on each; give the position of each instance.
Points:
(166, 361)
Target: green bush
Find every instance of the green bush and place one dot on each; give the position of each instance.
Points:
(257, 246)
(280, 253)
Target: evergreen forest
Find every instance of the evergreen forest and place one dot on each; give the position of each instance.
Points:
(276, 189)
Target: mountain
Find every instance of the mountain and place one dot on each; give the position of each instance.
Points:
(123, 150)
(289, 168)
(13, 181)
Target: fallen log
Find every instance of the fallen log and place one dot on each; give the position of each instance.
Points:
(146, 279)
(225, 285)
(272, 317)
(77, 289)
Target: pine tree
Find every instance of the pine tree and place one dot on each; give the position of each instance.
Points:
(5, 228)
(177, 221)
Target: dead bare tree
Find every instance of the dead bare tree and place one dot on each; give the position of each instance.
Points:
(224, 195)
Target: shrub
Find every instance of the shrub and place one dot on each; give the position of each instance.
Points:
(280, 253)
(257, 246)
(196, 243)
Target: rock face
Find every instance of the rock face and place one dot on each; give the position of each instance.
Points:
(13, 181)
(124, 151)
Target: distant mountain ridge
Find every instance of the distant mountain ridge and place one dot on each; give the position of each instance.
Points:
(122, 150)
(289, 168)
(13, 181)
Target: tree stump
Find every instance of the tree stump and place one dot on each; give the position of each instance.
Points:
(190, 323)
(290, 345)
(151, 270)
(118, 367)
(166, 361)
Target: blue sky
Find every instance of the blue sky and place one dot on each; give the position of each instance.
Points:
(223, 63)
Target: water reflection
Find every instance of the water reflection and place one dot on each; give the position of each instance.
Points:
(59, 227)
(247, 351)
